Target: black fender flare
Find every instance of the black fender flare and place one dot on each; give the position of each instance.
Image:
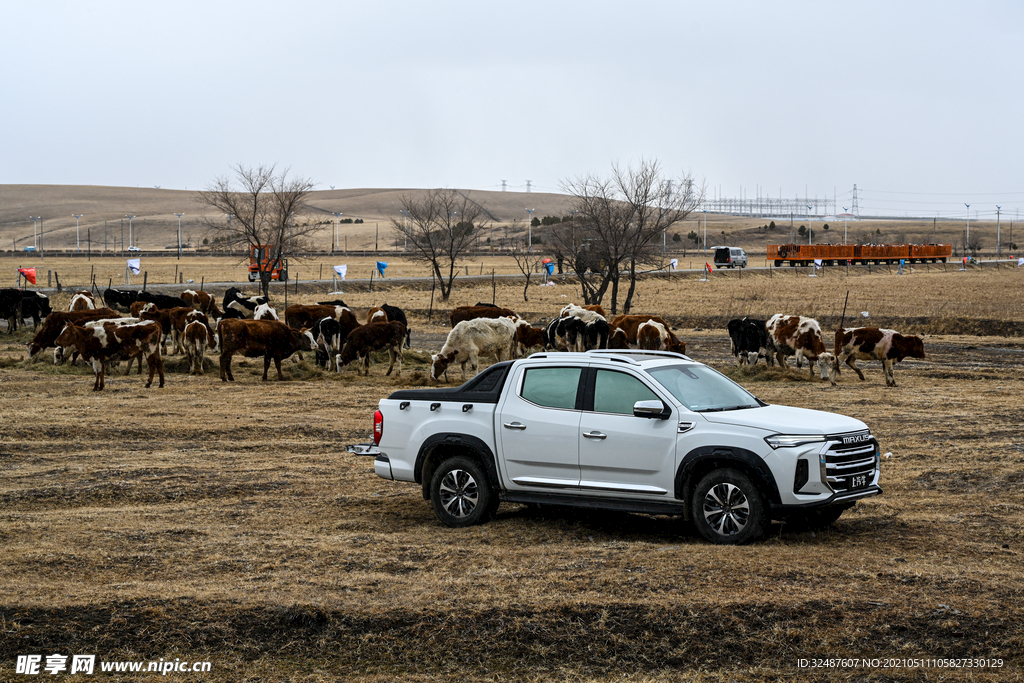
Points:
(465, 442)
(716, 457)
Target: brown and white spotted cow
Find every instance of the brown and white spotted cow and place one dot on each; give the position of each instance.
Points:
(631, 323)
(271, 339)
(371, 337)
(201, 301)
(104, 343)
(795, 335)
(654, 336)
(872, 343)
(54, 325)
(82, 301)
(196, 338)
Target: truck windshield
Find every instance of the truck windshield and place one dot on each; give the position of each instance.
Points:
(702, 389)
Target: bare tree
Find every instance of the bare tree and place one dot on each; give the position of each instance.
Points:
(264, 210)
(439, 227)
(528, 265)
(616, 224)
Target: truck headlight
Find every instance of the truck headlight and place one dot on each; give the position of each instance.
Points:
(790, 440)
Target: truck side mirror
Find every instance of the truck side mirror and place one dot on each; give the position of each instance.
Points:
(652, 409)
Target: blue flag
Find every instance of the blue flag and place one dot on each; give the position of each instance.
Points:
(381, 265)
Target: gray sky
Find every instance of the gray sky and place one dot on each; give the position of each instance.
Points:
(918, 103)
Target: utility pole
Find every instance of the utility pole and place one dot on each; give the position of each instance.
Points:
(999, 249)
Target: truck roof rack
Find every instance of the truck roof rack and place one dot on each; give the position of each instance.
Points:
(620, 355)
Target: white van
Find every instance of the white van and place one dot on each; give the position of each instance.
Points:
(728, 257)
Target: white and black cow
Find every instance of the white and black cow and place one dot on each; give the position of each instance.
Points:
(234, 299)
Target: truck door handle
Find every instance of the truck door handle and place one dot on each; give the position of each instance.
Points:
(513, 425)
(595, 435)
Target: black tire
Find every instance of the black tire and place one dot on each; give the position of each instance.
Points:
(728, 509)
(816, 519)
(461, 494)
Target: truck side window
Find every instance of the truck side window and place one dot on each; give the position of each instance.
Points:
(616, 392)
(552, 387)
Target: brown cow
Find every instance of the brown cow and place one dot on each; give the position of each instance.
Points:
(872, 343)
(527, 337)
(54, 325)
(103, 343)
(253, 338)
(371, 337)
(473, 312)
(795, 335)
(376, 315)
(617, 339)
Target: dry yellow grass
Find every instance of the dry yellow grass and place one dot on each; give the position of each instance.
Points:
(225, 522)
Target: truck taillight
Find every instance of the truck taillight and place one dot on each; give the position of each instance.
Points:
(378, 426)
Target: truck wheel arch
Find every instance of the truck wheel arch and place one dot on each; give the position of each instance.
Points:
(700, 461)
(439, 447)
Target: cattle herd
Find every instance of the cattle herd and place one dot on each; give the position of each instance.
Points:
(157, 325)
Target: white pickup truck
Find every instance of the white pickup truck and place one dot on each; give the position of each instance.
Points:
(641, 431)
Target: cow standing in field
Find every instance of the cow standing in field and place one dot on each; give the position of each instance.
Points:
(54, 324)
(265, 312)
(180, 318)
(103, 343)
(162, 301)
(795, 335)
(396, 314)
(120, 299)
(872, 343)
(196, 338)
(654, 336)
(463, 313)
(246, 305)
(471, 339)
(201, 301)
(749, 341)
(371, 337)
(82, 301)
(327, 334)
(631, 323)
(271, 339)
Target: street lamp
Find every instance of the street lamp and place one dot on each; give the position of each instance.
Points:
(179, 215)
(334, 237)
(809, 224)
(705, 232)
(131, 242)
(998, 246)
(529, 230)
(968, 224)
(35, 231)
(78, 234)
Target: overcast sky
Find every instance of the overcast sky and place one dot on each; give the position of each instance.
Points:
(917, 103)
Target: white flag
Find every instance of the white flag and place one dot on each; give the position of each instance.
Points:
(817, 263)
(341, 270)
(135, 265)
(674, 263)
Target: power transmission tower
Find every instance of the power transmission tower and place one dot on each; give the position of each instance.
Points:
(528, 185)
(856, 209)
(503, 184)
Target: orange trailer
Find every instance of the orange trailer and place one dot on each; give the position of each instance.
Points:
(856, 254)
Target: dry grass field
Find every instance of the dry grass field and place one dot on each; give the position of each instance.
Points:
(225, 522)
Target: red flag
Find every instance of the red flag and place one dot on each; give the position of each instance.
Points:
(29, 273)
(708, 266)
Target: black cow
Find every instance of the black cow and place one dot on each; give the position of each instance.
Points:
(327, 334)
(749, 341)
(10, 308)
(161, 300)
(34, 305)
(481, 303)
(120, 299)
(596, 333)
(396, 314)
(336, 302)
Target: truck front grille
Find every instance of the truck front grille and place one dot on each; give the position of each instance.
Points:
(851, 467)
